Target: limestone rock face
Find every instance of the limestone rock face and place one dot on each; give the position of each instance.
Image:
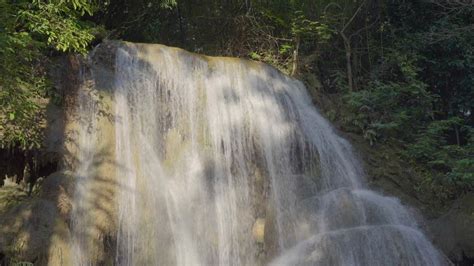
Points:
(40, 229)
(454, 231)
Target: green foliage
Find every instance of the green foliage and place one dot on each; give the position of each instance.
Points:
(18, 78)
(420, 92)
(28, 30)
(139, 20)
(453, 163)
(167, 4)
(392, 104)
(398, 104)
(462, 172)
(301, 26)
(289, 31)
(58, 22)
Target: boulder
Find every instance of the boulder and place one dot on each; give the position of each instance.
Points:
(453, 232)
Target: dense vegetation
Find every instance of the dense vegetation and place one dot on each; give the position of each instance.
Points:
(402, 70)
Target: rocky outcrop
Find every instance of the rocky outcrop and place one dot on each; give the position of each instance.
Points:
(454, 231)
(39, 229)
(36, 230)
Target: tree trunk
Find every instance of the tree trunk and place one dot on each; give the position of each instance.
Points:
(347, 47)
(181, 27)
(294, 69)
(456, 131)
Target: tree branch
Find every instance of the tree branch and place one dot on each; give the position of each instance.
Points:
(353, 17)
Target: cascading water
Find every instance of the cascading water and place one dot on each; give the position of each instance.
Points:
(210, 152)
(86, 109)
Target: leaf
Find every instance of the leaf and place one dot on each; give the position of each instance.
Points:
(255, 56)
(11, 116)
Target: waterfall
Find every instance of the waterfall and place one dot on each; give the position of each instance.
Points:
(86, 110)
(223, 161)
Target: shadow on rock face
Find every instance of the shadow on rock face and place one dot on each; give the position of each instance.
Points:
(454, 231)
(29, 229)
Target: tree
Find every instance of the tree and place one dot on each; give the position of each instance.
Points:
(349, 23)
(30, 29)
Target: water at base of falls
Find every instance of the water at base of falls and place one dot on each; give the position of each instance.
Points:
(224, 161)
